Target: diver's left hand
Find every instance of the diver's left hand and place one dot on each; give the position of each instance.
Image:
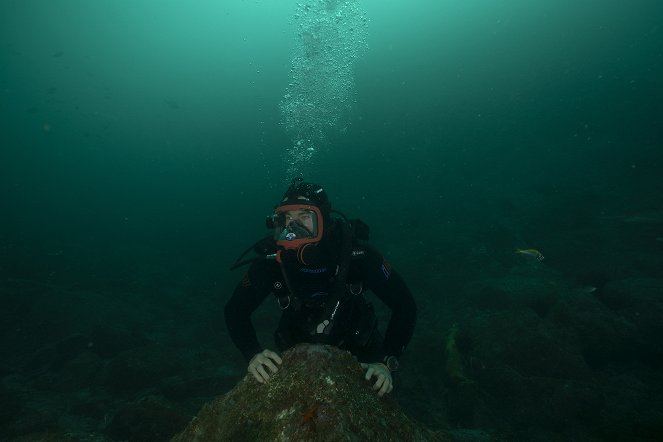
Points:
(384, 383)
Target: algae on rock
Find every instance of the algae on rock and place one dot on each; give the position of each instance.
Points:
(319, 393)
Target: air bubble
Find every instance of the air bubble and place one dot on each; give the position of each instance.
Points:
(317, 100)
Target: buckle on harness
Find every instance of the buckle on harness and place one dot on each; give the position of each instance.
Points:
(356, 289)
(280, 304)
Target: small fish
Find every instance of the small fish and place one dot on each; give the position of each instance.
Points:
(531, 253)
(588, 289)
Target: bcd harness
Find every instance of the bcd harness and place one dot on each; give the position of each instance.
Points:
(340, 293)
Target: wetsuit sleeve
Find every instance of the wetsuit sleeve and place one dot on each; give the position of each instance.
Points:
(246, 298)
(389, 286)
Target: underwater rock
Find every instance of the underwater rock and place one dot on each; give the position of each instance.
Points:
(319, 393)
(140, 369)
(150, 419)
(639, 302)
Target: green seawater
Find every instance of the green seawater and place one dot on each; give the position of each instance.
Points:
(142, 144)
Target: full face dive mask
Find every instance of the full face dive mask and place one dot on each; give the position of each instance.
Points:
(297, 228)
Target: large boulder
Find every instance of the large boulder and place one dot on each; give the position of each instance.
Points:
(319, 393)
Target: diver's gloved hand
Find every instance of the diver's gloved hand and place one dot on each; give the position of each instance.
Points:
(261, 362)
(384, 383)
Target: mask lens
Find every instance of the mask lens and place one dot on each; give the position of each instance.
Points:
(295, 230)
(295, 224)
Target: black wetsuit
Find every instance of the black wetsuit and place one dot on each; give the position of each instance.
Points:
(304, 310)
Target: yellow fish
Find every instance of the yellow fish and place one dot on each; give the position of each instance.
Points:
(531, 253)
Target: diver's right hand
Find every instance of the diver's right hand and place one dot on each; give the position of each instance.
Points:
(260, 362)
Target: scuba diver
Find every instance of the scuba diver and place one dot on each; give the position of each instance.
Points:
(318, 265)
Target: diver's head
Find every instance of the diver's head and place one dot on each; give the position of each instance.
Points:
(300, 219)
(313, 194)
